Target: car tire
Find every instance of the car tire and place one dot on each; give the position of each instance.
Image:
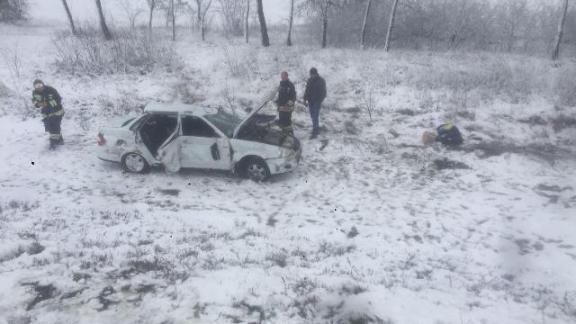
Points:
(134, 163)
(255, 169)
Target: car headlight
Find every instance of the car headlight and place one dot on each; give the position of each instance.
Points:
(288, 154)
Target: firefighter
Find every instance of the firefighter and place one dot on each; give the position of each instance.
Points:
(285, 103)
(48, 100)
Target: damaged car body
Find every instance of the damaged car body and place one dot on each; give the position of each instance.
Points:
(190, 136)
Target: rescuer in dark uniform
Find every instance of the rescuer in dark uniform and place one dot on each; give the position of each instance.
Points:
(49, 101)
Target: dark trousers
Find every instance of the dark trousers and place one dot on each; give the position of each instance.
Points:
(314, 108)
(52, 125)
(284, 118)
(285, 122)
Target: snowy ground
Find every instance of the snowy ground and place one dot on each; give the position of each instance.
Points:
(368, 229)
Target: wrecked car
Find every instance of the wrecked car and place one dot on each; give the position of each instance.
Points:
(180, 135)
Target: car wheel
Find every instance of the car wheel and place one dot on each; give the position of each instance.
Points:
(256, 170)
(134, 163)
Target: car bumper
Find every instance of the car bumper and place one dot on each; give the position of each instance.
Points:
(283, 165)
(106, 153)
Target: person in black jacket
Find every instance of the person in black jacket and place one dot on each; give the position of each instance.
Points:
(285, 103)
(314, 95)
(49, 101)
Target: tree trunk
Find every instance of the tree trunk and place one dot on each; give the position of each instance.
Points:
(556, 52)
(325, 25)
(173, 19)
(290, 23)
(152, 7)
(263, 28)
(69, 14)
(105, 30)
(390, 26)
(364, 24)
(247, 22)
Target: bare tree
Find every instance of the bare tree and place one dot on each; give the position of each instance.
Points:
(132, 11)
(364, 24)
(556, 52)
(322, 8)
(172, 14)
(263, 28)
(202, 7)
(151, 6)
(233, 14)
(103, 26)
(290, 23)
(69, 14)
(247, 22)
(390, 25)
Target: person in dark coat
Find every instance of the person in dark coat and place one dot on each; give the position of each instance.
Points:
(314, 96)
(285, 103)
(49, 101)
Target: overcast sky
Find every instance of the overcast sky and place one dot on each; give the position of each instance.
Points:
(85, 10)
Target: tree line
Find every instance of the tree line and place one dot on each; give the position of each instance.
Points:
(511, 25)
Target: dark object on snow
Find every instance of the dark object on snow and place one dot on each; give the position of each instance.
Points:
(353, 232)
(449, 135)
(43, 292)
(443, 164)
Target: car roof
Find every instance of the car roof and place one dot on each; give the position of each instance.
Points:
(196, 110)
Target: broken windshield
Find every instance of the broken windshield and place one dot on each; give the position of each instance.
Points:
(224, 121)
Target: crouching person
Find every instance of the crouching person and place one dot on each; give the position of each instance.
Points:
(48, 100)
(447, 134)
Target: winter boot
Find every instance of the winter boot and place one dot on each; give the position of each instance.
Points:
(314, 134)
(53, 144)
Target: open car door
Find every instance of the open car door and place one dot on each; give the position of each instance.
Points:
(170, 151)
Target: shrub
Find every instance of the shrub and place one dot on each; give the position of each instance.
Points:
(128, 52)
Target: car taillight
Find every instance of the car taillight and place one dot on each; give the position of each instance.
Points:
(101, 140)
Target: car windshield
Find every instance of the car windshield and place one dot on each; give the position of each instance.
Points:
(225, 122)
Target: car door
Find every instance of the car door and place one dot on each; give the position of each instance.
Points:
(203, 147)
(170, 152)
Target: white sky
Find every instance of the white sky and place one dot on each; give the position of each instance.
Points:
(85, 10)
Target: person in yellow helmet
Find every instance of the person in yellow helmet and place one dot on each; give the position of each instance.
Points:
(447, 134)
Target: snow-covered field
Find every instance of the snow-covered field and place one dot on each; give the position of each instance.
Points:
(369, 229)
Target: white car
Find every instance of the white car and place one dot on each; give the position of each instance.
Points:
(191, 136)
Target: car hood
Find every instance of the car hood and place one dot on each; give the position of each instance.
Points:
(270, 135)
(267, 98)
